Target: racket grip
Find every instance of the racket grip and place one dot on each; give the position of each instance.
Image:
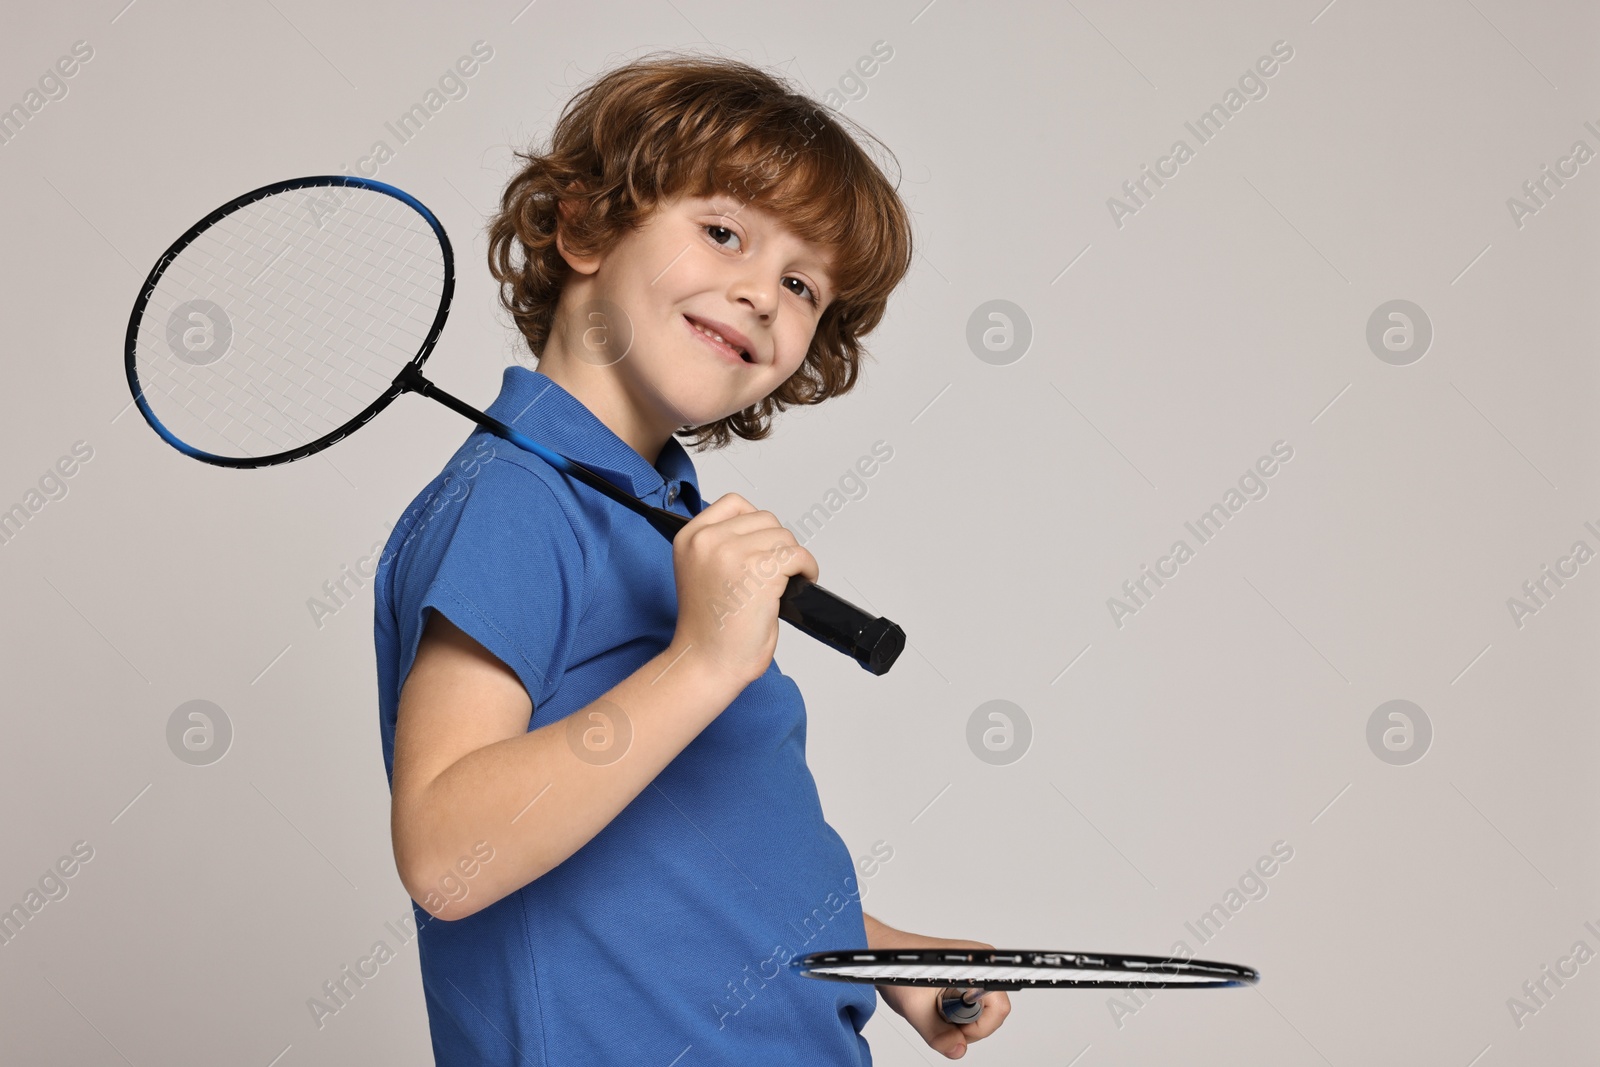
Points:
(873, 642)
(956, 1009)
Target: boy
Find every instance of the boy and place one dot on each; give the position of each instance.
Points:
(597, 770)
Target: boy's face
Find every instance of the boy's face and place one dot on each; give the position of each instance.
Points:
(737, 270)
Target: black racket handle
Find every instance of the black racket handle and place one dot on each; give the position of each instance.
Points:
(955, 1008)
(872, 641)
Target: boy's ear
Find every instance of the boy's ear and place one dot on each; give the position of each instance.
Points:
(566, 210)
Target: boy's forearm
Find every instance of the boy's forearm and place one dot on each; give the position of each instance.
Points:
(881, 935)
(488, 796)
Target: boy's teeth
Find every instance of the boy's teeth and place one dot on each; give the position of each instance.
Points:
(710, 333)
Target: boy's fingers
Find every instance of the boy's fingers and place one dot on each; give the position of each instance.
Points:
(946, 1039)
(807, 565)
(941, 1036)
(770, 553)
(728, 505)
(750, 522)
(996, 1006)
(725, 507)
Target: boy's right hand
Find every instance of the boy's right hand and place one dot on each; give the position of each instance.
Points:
(731, 563)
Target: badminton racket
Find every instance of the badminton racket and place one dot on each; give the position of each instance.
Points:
(965, 975)
(287, 318)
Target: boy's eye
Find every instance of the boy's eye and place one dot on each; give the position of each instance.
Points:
(709, 228)
(810, 294)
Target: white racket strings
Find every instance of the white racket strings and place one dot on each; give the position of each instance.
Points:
(977, 975)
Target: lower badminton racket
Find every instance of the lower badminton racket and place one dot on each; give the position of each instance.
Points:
(965, 975)
(287, 318)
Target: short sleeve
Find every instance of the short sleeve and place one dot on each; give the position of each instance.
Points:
(497, 554)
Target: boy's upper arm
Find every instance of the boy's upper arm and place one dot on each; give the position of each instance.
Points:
(505, 564)
(491, 586)
(458, 698)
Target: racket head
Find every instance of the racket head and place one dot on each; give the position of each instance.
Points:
(1008, 969)
(279, 323)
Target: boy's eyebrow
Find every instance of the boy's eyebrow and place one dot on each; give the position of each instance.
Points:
(825, 276)
(721, 202)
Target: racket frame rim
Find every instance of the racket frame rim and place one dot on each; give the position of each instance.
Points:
(361, 418)
(1226, 974)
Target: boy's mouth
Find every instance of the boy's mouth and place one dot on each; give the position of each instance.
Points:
(714, 337)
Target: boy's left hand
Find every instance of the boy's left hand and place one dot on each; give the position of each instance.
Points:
(918, 1005)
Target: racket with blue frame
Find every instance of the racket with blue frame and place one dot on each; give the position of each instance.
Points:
(287, 318)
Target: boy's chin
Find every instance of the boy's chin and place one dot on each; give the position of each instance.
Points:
(690, 407)
(702, 416)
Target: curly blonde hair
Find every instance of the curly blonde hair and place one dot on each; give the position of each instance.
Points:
(683, 124)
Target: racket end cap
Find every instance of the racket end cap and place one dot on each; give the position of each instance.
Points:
(879, 645)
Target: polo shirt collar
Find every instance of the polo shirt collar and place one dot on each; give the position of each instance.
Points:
(532, 403)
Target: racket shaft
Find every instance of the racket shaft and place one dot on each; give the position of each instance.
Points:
(872, 641)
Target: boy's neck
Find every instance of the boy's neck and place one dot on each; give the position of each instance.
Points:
(602, 392)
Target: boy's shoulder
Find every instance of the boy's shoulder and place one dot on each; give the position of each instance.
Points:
(489, 493)
(491, 466)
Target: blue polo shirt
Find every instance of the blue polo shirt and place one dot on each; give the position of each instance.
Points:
(665, 939)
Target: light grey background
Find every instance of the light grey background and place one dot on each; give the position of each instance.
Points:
(1166, 755)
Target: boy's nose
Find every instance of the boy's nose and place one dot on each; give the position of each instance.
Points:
(759, 295)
